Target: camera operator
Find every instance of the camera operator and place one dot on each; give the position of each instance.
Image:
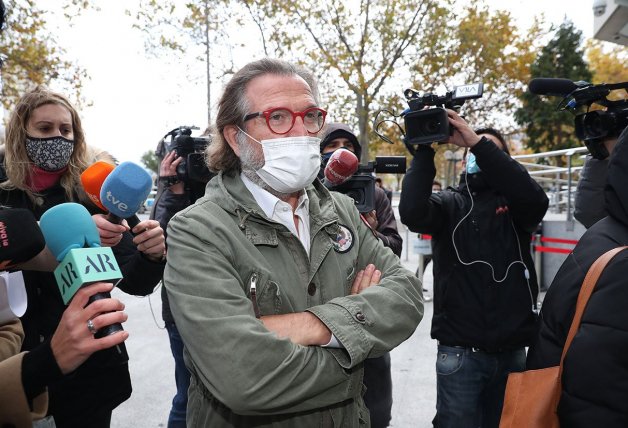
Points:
(381, 220)
(174, 193)
(485, 284)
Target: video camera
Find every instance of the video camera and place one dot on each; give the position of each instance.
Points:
(192, 150)
(592, 127)
(426, 126)
(361, 186)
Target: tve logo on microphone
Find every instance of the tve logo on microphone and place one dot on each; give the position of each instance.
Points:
(85, 265)
(121, 206)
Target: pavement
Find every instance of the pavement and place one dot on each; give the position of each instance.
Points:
(152, 366)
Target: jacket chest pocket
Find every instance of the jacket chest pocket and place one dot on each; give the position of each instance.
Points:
(265, 296)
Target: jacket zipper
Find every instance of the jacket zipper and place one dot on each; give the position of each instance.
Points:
(253, 289)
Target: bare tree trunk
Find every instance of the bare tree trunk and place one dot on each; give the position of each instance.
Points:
(208, 70)
(362, 111)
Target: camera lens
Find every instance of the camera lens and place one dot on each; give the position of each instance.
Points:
(431, 126)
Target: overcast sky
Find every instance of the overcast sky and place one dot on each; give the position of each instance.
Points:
(136, 99)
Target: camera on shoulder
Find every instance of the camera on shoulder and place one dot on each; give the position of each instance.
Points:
(361, 186)
(192, 150)
(593, 127)
(430, 125)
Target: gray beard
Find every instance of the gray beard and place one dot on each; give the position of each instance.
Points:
(252, 160)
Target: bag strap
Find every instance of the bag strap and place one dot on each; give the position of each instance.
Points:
(590, 280)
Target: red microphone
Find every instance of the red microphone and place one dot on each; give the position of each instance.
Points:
(341, 166)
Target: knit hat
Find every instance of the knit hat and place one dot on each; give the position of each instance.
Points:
(340, 130)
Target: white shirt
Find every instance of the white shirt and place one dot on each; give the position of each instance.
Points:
(281, 211)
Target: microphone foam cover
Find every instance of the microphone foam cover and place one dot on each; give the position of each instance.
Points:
(92, 179)
(341, 166)
(68, 226)
(20, 236)
(551, 86)
(126, 189)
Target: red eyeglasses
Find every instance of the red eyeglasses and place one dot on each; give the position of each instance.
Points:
(280, 120)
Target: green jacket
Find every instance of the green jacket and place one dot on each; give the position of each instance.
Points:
(242, 374)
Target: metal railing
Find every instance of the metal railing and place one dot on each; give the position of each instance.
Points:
(559, 182)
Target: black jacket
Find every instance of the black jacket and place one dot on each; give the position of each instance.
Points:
(470, 308)
(595, 376)
(387, 225)
(102, 382)
(589, 204)
(166, 205)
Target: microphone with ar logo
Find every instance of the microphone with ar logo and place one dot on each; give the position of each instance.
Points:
(72, 237)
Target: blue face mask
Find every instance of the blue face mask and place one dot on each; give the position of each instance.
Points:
(472, 166)
(325, 158)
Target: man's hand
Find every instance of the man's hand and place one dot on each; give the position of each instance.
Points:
(168, 168)
(464, 135)
(302, 328)
(371, 219)
(365, 278)
(150, 239)
(110, 233)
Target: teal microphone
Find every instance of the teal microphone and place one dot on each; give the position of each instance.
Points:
(72, 237)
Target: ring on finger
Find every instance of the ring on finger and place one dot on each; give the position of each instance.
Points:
(91, 327)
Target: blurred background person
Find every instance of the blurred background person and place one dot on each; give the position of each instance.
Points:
(379, 183)
(173, 194)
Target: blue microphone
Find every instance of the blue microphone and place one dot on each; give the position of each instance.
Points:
(124, 191)
(72, 237)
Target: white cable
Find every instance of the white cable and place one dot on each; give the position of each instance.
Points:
(526, 272)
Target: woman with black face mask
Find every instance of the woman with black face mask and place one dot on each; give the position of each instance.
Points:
(44, 155)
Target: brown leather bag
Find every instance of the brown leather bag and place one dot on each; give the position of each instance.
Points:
(532, 396)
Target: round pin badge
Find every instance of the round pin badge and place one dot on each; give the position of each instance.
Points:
(343, 239)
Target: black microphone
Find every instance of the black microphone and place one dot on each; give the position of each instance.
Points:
(20, 241)
(20, 237)
(552, 86)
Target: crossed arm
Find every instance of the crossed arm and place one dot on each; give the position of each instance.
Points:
(305, 328)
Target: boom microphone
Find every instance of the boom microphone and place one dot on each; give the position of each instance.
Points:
(93, 178)
(341, 166)
(124, 191)
(73, 238)
(552, 86)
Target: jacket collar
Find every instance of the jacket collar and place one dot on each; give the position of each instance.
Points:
(228, 190)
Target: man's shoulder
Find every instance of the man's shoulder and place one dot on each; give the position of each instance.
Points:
(204, 210)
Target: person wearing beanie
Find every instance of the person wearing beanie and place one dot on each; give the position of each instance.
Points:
(381, 220)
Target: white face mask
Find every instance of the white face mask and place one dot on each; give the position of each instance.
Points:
(290, 163)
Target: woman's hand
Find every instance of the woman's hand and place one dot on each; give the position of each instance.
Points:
(110, 233)
(73, 341)
(150, 239)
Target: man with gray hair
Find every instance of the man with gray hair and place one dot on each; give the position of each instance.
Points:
(279, 289)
